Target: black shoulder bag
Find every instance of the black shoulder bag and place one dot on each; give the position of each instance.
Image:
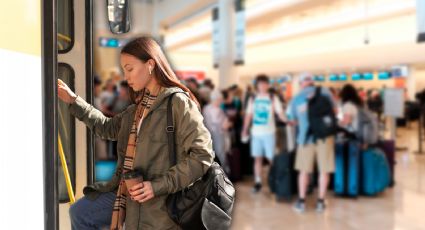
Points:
(208, 202)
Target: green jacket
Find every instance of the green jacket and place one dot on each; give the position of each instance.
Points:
(193, 147)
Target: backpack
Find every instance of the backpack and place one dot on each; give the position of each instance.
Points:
(321, 117)
(368, 127)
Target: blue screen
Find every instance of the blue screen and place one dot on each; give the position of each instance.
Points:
(333, 77)
(384, 75)
(319, 78)
(367, 76)
(356, 77)
(109, 42)
(342, 77)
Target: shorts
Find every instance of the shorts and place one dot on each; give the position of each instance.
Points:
(325, 152)
(263, 145)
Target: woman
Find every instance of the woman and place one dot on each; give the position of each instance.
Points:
(351, 102)
(218, 125)
(142, 140)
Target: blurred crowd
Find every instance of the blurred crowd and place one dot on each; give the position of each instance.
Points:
(110, 97)
(248, 126)
(223, 109)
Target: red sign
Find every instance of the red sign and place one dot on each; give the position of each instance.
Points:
(183, 75)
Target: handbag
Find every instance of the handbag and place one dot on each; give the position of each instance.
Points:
(205, 204)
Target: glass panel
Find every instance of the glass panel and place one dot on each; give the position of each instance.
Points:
(111, 97)
(65, 25)
(66, 124)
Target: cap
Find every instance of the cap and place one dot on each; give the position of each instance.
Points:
(305, 77)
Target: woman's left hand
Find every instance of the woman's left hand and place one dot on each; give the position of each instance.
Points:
(142, 192)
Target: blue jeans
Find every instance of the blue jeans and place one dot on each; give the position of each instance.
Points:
(89, 214)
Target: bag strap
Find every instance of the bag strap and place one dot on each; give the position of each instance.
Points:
(171, 131)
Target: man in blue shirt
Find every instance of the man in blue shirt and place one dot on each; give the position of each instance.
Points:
(308, 150)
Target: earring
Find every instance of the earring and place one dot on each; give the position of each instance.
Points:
(150, 71)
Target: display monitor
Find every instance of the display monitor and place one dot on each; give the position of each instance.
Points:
(384, 75)
(342, 77)
(356, 77)
(333, 77)
(319, 78)
(367, 76)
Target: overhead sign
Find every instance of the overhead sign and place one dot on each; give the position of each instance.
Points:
(216, 38)
(420, 17)
(112, 42)
(187, 74)
(240, 32)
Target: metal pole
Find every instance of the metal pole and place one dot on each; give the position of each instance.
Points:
(65, 171)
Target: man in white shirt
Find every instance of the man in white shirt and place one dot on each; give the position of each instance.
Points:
(260, 114)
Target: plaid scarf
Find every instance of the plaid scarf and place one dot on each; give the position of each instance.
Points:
(144, 102)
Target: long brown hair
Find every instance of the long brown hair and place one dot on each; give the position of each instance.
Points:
(145, 48)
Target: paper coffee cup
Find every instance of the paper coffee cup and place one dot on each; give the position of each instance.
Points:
(132, 178)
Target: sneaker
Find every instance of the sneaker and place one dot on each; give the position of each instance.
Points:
(256, 188)
(320, 206)
(299, 206)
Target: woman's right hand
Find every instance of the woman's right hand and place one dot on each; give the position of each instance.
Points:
(65, 93)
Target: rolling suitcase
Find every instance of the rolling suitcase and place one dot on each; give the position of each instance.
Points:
(388, 147)
(282, 176)
(376, 172)
(347, 169)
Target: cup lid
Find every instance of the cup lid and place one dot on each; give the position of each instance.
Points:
(132, 174)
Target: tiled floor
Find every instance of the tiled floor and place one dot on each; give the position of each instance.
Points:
(401, 207)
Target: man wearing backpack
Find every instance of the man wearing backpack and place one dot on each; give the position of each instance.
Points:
(313, 111)
(260, 113)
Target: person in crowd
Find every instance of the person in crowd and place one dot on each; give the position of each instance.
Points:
(351, 102)
(101, 146)
(249, 93)
(142, 137)
(218, 125)
(193, 85)
(97, 83)
(260, 116)
(335, 93)
(236, 93)
(233, 109)
(382, 91)
(307, 149)
(108, 97)
(205, 90)
(363, 94)
(123, 100)
(375, 103)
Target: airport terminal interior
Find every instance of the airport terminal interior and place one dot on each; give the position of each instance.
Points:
(371, 44)
(224, 50)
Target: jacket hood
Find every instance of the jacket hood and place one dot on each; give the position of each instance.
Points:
(164, 94)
